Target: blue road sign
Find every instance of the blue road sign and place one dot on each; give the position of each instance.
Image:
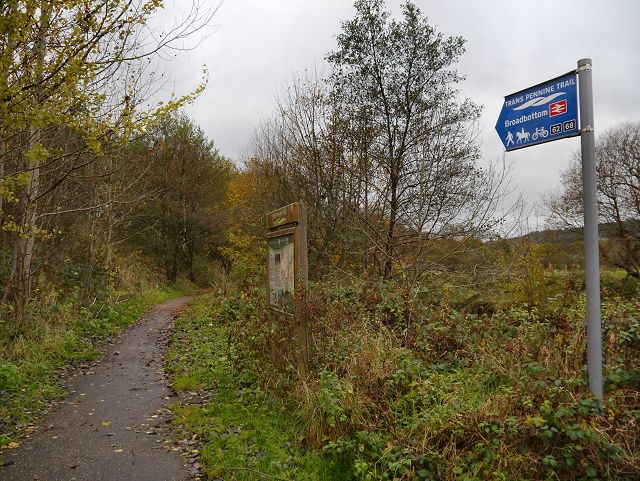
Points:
(538, 114)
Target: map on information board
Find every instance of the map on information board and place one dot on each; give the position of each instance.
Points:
(281, 271)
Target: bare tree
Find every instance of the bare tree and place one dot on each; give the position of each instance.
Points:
(301, 150)
(618, 168)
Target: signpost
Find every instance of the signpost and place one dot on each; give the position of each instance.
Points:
(547, 112)
(287, 274)
(539, 114)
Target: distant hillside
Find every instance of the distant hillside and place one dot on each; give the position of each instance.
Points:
(565, 246)
(569, 235)
(554, 236)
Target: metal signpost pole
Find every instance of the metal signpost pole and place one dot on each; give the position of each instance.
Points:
(546, 112)
(591, 242)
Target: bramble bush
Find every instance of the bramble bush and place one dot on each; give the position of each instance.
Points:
(424, 391)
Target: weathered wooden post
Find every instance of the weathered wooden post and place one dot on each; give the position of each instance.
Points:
(287, 275)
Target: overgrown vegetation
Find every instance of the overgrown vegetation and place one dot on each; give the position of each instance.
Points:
(422, 390)
(241, 431)
(441, 350)
(98, 190)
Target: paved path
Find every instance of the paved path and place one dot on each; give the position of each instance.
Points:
(108, 428)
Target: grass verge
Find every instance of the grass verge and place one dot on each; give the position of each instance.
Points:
(242, 433)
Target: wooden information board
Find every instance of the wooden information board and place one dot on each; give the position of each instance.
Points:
(287, 274)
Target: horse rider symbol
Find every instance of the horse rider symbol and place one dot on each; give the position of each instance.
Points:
(522, 136)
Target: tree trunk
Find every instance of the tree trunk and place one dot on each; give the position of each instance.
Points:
(173, 274)
(18, 287)
(190, 259)
(110, 224)
(1, 169)
(7, 55)
(393, 214)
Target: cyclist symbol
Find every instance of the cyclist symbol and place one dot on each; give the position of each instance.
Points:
(540, 132)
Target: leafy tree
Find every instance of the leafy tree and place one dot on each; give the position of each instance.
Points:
(383, 153)
(396, 78)
(77, 70)
(245, 229)
(185, 219)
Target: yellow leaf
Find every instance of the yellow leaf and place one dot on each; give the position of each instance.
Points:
(106, 424)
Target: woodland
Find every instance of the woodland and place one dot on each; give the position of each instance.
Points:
(443, 347)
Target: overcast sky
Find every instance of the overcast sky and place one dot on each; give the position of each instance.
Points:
(258, 44)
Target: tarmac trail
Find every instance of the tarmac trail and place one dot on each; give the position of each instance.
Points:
(109, 428)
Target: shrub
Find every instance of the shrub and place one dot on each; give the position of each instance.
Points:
(404, 387)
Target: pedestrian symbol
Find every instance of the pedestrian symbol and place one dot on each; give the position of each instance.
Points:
(509, 138)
